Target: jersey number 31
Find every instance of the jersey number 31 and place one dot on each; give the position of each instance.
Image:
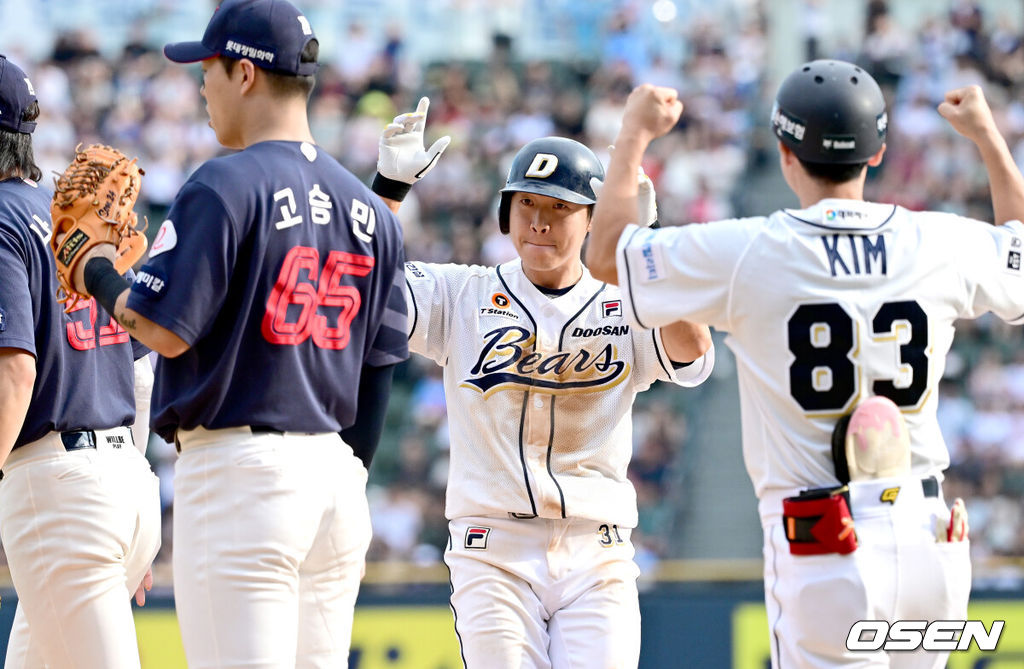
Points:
(302, 289)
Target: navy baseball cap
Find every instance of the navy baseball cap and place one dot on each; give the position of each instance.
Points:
(16, 94)
(270, 33)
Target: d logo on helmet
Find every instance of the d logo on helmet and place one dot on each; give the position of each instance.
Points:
(543, 166)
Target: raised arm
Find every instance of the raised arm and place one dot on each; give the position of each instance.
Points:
(970, 115)
(650, 113)
(401, 158)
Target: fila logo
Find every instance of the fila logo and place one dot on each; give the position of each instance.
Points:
(890, 495)
(543, 166)
(476, 538)
(611, 308)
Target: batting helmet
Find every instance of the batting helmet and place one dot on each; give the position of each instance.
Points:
(554, 166)
(830, 111)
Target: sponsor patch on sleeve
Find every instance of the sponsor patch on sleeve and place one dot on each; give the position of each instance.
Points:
(412, 272)
(166, 239)
(151, 282)
(652, 261)
(1013, 249)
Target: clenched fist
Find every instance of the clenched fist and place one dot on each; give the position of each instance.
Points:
(968, 112)
(651, 111)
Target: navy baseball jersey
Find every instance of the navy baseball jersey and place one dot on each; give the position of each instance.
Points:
(84, 376)
(284, 275)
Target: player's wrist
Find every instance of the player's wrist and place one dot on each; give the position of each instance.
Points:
(103, 282)
(633, 139)
(392, 189)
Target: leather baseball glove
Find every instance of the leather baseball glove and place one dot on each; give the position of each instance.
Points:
(92, 204)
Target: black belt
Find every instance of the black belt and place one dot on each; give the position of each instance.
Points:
(77, 440)
(265, 429)
(930, 486)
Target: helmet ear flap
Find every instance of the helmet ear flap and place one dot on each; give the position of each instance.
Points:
(504, 211)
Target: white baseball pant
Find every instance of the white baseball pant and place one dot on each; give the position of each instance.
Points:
(544, 594)
(897, 572)
(270, 538)
(80, 529)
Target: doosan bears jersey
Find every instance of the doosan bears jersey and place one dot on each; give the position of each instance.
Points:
(539, 390)
(852, 299)
(283, 348)
(84, 374)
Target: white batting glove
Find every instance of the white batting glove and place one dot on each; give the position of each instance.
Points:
(646, 207)
(401, 156)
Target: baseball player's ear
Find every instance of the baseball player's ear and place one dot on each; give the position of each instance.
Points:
(786, 153)
(876, 160)
(247, 72)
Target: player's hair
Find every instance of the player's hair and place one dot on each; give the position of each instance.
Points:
(16, 155)
(287, 85)
(833, 173)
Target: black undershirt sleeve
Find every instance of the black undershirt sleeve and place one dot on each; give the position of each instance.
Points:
(372, 404)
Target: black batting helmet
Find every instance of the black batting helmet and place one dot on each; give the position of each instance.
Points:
(554, 166)
(830, 111)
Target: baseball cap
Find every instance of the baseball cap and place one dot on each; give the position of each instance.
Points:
(16, 94)
(270, 33)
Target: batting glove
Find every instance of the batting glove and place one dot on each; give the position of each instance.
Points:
(646, 207)
(401, 158)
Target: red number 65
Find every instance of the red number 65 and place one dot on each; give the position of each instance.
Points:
(303, 284)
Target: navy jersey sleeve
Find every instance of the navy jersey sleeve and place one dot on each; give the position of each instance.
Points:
(185, 281)
(17, 325)
(391, 344)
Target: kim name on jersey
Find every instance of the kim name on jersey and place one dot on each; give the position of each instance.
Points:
(855, 254)
(509, 360)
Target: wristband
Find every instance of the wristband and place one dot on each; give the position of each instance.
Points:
(104, 283)
(389, 188)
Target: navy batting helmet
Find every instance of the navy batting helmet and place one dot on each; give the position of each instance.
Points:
(554, 166)
(830, 111)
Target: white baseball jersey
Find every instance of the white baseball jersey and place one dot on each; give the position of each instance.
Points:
(826, 306)
(540, 389)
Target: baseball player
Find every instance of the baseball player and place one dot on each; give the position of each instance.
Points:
(540, 373)
(274, 294)
(79, 505)
(828, 305)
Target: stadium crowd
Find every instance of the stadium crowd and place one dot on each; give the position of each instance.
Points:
(141, 104)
